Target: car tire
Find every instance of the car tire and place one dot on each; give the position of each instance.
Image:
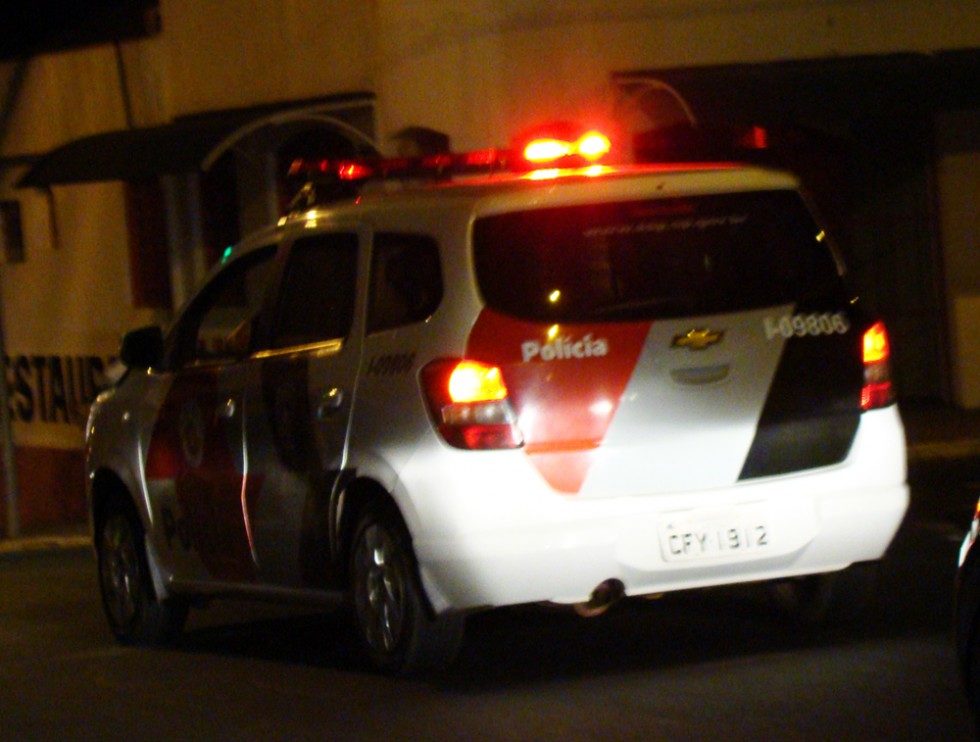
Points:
(397, 628)
(833, 597)
(135, 614)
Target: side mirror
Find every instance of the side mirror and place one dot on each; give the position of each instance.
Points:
(142, 348)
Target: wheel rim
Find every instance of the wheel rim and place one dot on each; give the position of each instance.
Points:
(120, 571)
(379, 590)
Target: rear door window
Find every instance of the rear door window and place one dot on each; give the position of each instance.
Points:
(651, 259)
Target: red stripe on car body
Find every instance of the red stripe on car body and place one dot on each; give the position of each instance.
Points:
(565, 383)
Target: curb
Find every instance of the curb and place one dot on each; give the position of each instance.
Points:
(918, 453)
(963, 448)
(38, 544)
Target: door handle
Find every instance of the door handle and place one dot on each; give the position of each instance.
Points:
(226, 410)
(330, 401)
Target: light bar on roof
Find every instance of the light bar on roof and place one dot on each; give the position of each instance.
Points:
(561, 147)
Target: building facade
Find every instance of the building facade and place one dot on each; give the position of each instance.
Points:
(126, 168)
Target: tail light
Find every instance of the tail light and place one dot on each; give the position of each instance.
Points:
(468, 403)
(877, 390)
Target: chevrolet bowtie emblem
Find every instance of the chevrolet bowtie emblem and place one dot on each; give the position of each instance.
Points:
(697, 339)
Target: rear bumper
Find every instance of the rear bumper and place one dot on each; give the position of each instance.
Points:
(564, 564)
(528, 548)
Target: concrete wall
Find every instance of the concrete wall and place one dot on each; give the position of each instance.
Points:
(958, 181)
(69, 300)
(483, 67)
(229, 53)
(478, 70)
(68, 303)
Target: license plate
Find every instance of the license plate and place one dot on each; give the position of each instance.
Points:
(685, 537)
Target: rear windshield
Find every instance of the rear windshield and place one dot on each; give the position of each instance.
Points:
(658, 258)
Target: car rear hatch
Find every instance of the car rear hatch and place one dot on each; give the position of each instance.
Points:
(670, 344)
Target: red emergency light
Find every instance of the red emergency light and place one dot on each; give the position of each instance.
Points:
(591, 147)
(561, 146)
(429, 167)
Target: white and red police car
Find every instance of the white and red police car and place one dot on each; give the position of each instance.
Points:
(569, 383)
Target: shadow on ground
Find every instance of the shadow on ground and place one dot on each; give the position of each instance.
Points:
(527, 644)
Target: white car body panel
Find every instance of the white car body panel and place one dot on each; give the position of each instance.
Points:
(488, 529)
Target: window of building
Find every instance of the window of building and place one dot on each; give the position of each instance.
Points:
(11, 233)
(220, 208)
(149, 263)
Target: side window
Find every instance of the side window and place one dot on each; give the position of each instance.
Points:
(406, 280)
(218, 326)
(316, 300)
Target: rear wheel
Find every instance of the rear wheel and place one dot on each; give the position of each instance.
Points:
(395, 624)
(136, 615)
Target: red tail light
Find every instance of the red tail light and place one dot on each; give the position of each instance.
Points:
(877, 390)
(468, 403)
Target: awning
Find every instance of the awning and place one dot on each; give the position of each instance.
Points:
(873, 85)
(180, 147)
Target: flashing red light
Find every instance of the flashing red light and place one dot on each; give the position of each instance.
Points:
(352, 170)
(591, 147)
(482, 158)
(557, 146)
(441, 161)
(755, 137)
(540, 151)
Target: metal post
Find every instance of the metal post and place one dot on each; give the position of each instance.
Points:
(6, 433)
(7, 444)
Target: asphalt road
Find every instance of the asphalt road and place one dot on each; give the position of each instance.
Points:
(711, 664)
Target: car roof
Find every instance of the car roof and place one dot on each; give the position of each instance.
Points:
(470, 197)
(508, 191)
(541, 187)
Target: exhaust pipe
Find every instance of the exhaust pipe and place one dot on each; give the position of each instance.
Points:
(605, 594)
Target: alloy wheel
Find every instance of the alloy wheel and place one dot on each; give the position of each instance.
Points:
(120, 570)
(380, 588)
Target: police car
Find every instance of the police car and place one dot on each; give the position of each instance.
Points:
(511, 378)
(966, 614)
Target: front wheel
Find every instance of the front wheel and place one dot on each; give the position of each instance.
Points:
(135, 614)
(395, 624)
